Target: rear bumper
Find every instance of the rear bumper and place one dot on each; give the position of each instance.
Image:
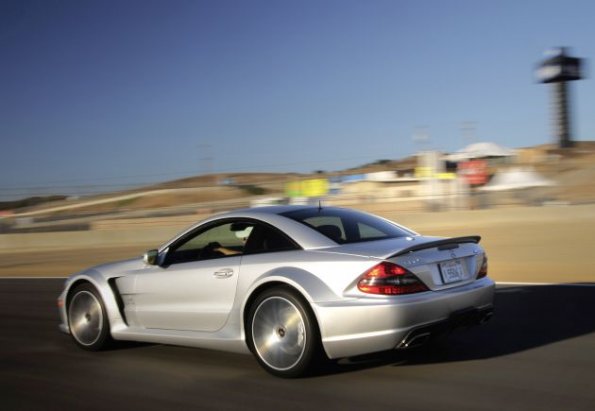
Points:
(366, 325)
(465, 318)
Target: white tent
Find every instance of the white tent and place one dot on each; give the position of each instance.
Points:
(480, 150)
(516, 178)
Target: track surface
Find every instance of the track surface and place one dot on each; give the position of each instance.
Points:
(538, 353)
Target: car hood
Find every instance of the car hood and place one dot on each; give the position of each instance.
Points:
(118, 268)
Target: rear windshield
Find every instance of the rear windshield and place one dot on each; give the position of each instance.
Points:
(345, 226)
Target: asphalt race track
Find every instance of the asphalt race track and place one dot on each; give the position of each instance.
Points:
(537, 353)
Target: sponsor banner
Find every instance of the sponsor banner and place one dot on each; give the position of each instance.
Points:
(430, 172)
(316, 187)
(475, 172)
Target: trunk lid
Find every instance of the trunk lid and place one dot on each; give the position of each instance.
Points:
(440, 263)
(444, 263)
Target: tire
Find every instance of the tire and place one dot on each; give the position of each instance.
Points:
(282, 333)
(87, 318)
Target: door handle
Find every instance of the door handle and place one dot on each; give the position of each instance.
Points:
(223, 273)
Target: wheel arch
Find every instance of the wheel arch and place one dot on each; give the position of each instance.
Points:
(259, 290)
(304, 285)
(102, 286)
(74, 285)
(313, 353)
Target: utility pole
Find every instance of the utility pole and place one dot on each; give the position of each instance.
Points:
(421, 137)
(468, 131)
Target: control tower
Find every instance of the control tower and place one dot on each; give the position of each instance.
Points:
(558, 69)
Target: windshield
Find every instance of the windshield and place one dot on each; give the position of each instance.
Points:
(345, 226)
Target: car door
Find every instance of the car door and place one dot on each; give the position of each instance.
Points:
(194, 287)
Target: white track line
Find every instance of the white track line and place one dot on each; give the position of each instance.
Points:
(542, 284)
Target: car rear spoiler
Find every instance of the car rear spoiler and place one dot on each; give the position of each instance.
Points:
(443, 244)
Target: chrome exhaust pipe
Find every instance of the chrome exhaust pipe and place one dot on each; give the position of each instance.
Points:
(414, 340)
(486, 317)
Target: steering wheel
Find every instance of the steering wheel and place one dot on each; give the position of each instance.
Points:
(209, 250)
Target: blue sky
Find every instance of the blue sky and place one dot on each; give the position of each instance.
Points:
(114, 93)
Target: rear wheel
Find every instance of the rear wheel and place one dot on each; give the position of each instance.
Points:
(87, 319)
(282, 333)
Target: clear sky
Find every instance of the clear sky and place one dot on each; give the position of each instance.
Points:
(111, 93)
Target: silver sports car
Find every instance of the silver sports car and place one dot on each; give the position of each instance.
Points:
(291, 284)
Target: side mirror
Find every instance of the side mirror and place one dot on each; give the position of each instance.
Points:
(151, 257)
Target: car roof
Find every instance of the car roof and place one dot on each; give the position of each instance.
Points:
(305, 236)
(273, 209)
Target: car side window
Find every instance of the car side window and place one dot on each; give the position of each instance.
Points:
(265, 239)
(217, 241)
(367, 232)
(330, 226)
(347, 226)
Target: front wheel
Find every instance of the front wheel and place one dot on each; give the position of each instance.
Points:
(87, 318)
(282, 333)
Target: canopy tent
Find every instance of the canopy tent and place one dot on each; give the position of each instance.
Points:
(480, 150)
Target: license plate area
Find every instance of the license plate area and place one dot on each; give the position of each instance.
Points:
(452, 271)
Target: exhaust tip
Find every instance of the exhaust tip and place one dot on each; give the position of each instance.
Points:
(414, 340)
(487, 316)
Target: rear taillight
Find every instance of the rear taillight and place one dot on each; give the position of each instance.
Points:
(483, 271)
(390, 279)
